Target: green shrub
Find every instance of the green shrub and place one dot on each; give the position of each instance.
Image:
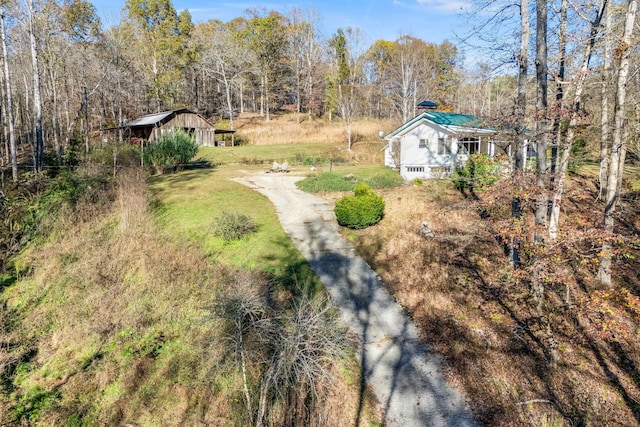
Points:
(233, 226)
(478, 172)
(361, 210)
(172, 151)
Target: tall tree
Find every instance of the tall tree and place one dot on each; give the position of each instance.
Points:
(520, 125)
(37, 96)
(13, 149)
(265, 35)
(605, 129)
(347, 77)
(163, 47)
(305, 55)
(541, 119)
(616, 159)
(574, 115)
(224, 59)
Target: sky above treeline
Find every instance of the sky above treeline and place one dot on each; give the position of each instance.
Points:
(430, 20)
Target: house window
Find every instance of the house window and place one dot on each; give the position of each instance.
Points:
(443, 147)
(469, 145)
(423, 143)
(415, 168)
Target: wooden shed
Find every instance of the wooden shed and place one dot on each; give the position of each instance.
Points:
(152, 126)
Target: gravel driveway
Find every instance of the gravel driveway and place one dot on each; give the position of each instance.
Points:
(404, 374)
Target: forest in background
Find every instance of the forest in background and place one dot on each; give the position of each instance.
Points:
(66, 76)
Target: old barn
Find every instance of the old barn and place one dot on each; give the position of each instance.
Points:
(152, 126)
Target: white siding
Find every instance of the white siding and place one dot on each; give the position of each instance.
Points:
(418, 161)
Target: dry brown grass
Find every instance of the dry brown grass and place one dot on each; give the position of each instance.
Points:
(457, 288)
(285, 129)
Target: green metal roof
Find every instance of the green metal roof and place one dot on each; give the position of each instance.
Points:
(462, 120)
(446, 120)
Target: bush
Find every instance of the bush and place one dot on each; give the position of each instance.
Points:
(478, 172)
(172, 151)
(232, 226)
(361, 210)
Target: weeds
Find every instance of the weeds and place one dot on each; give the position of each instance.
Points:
(298, 343)
(233, 226)
(327, 181)
(171, 152)
(331, 181)
(109, 321)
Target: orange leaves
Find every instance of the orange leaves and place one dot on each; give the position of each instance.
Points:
(613, 313)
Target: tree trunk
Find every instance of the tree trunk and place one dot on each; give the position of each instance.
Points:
(538, 284)
(573, 122)
(605, 130)
(557, 121)
(86, 120)
(619, 144)
(521, 106)
(9, 107)
(541, 122)
(37, 98)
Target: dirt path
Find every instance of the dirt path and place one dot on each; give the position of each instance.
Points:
(404, 375)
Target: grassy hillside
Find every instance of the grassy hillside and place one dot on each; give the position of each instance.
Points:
(126, 310)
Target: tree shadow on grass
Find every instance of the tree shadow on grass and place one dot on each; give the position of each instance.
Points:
(404, 372)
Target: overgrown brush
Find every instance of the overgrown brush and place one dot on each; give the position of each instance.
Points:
(173, 151)
(331, 181)
(231, 226)
(478, 172)
(117, 156)
(108, 324)
(298, 343)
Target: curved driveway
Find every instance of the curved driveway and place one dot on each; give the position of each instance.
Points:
(405, 376)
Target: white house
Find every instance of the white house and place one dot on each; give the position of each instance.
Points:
(433, 142)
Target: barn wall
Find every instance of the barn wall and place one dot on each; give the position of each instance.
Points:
(202, 130)
(188, 120)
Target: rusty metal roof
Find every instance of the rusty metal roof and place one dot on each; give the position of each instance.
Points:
(150, 119)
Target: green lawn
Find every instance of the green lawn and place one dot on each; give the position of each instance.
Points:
(631, 173)
(189, 202)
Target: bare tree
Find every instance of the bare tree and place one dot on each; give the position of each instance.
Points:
(605, 128)
(37, 97)
(520, 123)
(579, 85)
(9, 100)
(305, 55)
(541, 119)
(224, 59)
(346, 50)
(616, 159)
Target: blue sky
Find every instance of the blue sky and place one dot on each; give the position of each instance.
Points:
(430, 20)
